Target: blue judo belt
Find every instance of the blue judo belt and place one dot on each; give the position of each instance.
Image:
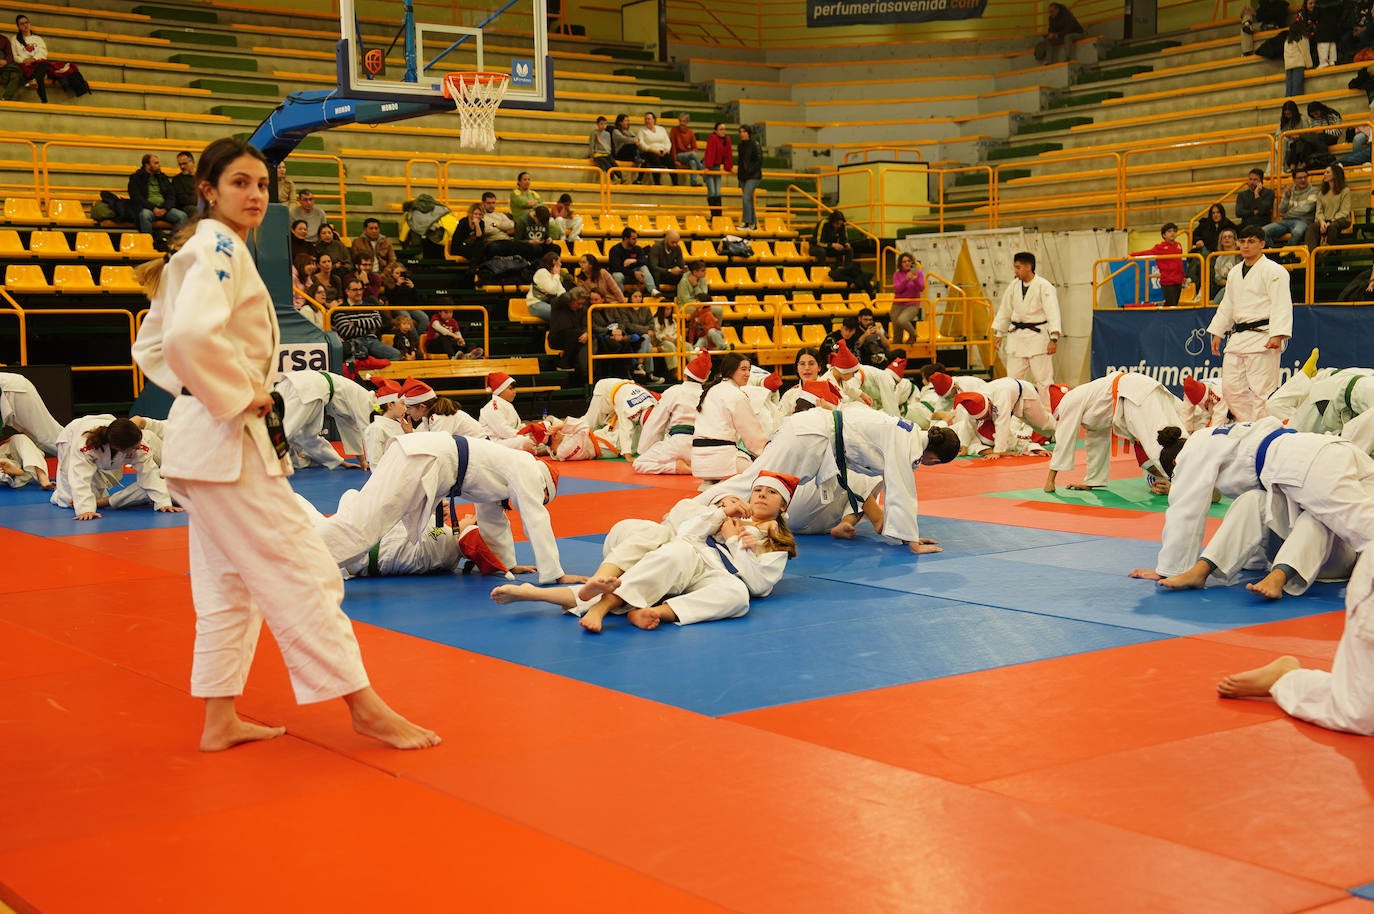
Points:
(724, 554)
(1264, 448)
(457, 488)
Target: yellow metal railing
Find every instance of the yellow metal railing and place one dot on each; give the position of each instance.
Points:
(26, 317)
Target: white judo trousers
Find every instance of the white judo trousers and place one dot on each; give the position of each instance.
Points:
(1342, 699)
(306, 397)
(20, 449)
(1140, 408)
(22, 409)
(1312, 552)
(297, 590)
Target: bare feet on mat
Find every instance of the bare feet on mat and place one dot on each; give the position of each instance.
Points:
(1270, 586)
(1080, 487)
(598, 585)
(225, 734)
(373, 717)
(515, 593)
(649, 619)
(591, 620)
(1257, 683)
(1192, 579)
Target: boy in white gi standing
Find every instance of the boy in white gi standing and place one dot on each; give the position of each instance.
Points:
(1028, 322)
(1257, 312)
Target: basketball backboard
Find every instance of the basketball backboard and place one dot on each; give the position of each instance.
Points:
(505, 37)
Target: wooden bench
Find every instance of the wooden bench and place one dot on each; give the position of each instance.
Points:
(465, 368)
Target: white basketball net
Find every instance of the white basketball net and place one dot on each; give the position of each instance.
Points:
(476, 97)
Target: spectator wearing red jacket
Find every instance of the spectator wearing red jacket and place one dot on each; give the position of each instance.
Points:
(1170, 262)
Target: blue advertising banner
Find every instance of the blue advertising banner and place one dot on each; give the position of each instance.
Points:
(1171, 345)
(825, 13)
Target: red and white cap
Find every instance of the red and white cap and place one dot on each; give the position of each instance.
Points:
(498, 381)
(415, 392)
(773, 381)
(699, 369)
(941, 382)
(475, 549)
(388, 391)
(842, 359)
(976, 405)
(782, 483)
(820, 391)
(897, 366)
(1057, 392)
(1194, 391)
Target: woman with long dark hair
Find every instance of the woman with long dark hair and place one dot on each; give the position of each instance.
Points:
(211, 335)
(1334, 208)
(31, 56)
(728, 434)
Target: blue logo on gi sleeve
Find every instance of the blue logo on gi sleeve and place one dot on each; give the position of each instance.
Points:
(905, 425)
(224, 244)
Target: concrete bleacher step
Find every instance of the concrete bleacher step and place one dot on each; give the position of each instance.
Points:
(1100, 76)
(217, 62)
(178, 13)
(196, 36)
(223, 87)
(1021, 150)
(1049, 126)
(1137, 49)
(1084, 99)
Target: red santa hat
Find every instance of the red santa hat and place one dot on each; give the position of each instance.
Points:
(699, 369)
(476, 550)
(941, 382)
(898, 367)
(388, 391)
(842, 359)
(976, 405)
(773, 382)
(414, 392)
(782, 483)
(818, 391)
(498, 381)
(1057, 392)
(1194, 391)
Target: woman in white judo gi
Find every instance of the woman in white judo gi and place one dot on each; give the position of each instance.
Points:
(308, 397)
(388, 420)
(1128, 404)
(703, 563)
(22, 462)
(727, 434)
(22, 409)
(212, 335)
(422, 469)
(665, 438)
(91, 454)
(1342, 699)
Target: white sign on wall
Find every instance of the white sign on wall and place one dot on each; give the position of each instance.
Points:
(300, 357)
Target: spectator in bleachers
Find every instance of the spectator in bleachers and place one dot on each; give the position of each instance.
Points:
(569, 222)
(832, 242)
(849, 326)
(719, 158)
(286, 188)
(11, 77)
(330, 243)
(1292, 149)
(703, 318)
(1306, 17)
(750, 173)
(300, 245)
(1297, 60)
(1170, 267)
(363, 272)
(302, 276)
(693, 287)
(1334, 209)
(444, 335)
(359, 329)
(871, 346)
(546, 288)
(404, 336)
(592, 277)
(313, 215)
(1206, 236)
(372, 243)
(1319, 115)
(623, 144)
(398, 291)
(655, 148)
(1063, 29)
(623, 330)
(327, 286)
(599, 148)
(151, 192)
(1255, 202)
(522, 199)
(1223, 262)
(1359, 153)
(537, 231)
(469, 238)
(908, 288)
(568, 332)
(685, 147)
(184, 183)
(1329, 18)
(1297, 207)
(666, 260)
(627, 260)
(497, 228)
(31, 55)
(663, 333)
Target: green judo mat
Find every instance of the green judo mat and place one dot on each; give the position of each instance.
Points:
(1125, 494)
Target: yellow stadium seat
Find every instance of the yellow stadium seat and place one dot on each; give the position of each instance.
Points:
(756, 337)
(26, 277)
(804, 303)
(564, 252)
(585, 246)
(94, 245)
(642, 223)
(49, 244)
(10, 246)
(796, 278)
(814, 334)
(787, 252)
(761, 250)
(768, 279)
(882, 304)
(743, 306)
(739, 278)
(696, 224)
(732, 339)
(774, 304)
(858, 301)
(704, 251)
(716, 280)
(519, 312)
(833, 303)
(778, 228)
(67, 212)
(667, 222)
(820, 276)
(722, 225)
(73, 277)
(24, 209)
(137, 244)
(788, 336)
(118, 278)
(611, 226)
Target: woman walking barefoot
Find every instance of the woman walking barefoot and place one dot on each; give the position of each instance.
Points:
(212, 335)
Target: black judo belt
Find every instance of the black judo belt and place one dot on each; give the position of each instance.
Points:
(855, 502)
(1246, 326)
(1028, 325)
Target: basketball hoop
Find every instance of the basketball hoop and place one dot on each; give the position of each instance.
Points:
(476, 96)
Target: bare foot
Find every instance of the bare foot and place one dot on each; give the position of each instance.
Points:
(373, 717)
(1257, 683)
(1271, 585)
(1148, 574)
(1080, 487)
(515, 593)
(1192, 579)
(646, 619)
(844, 530)
(225, 734)
(598, 585)
(591, 620)
(924, 548)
